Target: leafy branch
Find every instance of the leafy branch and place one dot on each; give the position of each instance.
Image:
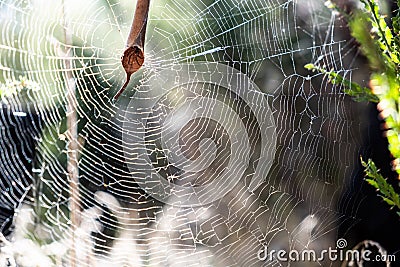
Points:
(353, 89)
(381, 46)
(385, 34)
(385, 189)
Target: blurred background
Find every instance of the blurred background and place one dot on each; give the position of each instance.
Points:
(69, 196)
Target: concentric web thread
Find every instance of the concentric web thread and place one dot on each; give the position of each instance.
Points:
(222, 144)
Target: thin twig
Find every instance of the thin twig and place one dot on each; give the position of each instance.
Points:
(133, 57)
(72, 137)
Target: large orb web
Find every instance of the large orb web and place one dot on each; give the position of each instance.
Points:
(222, 144)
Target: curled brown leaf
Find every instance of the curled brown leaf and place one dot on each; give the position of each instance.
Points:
(133, 57)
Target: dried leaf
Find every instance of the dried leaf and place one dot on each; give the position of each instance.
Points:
(133, 57)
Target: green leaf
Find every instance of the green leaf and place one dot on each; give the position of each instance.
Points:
(386, 190)
(373, 183)
(388, 201)
(309, 66)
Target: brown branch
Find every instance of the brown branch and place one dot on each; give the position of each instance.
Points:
(72, 137)
(133, 57)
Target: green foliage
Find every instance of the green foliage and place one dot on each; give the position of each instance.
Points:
(353, 89)
(385, 189)
(385, 38)
(381, 46)
(361, 29)
(382, 51)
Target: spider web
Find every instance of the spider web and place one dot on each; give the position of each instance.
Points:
(222, 99)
